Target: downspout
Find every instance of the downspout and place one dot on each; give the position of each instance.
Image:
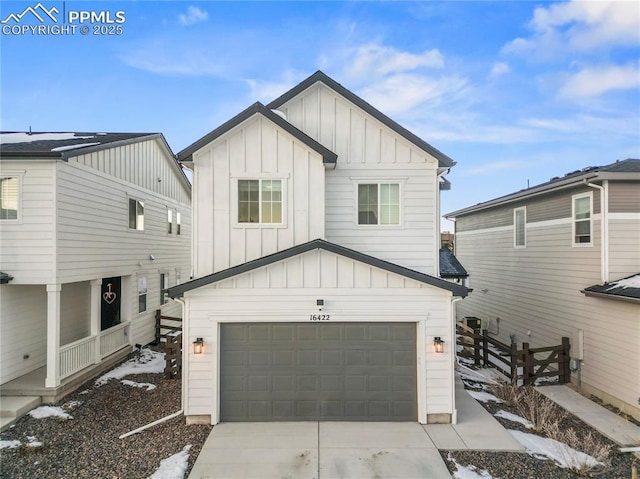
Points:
(604, 228)
(439, 173)
(175, 414)
(454, 415)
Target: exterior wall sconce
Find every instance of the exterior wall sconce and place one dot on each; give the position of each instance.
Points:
(320, 304)
(438, 345)
(198, 346)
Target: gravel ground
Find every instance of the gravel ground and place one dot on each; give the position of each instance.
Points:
(505, 465)
(87, 446)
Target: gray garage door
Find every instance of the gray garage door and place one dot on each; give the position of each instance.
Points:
(326, 371)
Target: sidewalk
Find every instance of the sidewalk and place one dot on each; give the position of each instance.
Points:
(601, 419)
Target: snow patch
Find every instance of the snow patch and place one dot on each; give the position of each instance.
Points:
(546, 448)
(173, 467)
(10, 444)
(483, 396)
(7, 138)
(514, 418)
(33, 442)
(468, 472)
(632, 282)
(148, 362)
(49, 411)
(134, 384)
(74, 147)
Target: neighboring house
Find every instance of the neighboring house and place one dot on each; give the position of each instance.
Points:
(559, 259)
(92, 227)
(316, 238)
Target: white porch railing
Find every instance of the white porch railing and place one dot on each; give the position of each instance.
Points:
(77, 355)
(114, 338)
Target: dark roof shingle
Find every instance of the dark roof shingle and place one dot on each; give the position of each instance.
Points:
(626, 289)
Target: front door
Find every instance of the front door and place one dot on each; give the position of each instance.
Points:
(110, 301)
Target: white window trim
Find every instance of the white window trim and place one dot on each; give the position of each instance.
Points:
(146, 293)
(19, 175)
(573, 220)
(378, 181)
(515, 227)
(164, 299)
(284, 193)
(170, 211)
(129, 198)
(178, 223)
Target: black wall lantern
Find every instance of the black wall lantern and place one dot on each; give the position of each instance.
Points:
(198, 346)
(438, 345)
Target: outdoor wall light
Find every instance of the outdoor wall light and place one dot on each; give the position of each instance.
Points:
(198, 346)
(320, 304)
(438, 345)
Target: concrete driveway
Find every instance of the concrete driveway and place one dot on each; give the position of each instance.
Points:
(319, 450)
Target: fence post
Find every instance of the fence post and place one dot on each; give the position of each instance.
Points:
(485, 347)
(514, 363)
(527, 367)
(563, 361)
(158, 319)
(476, 346)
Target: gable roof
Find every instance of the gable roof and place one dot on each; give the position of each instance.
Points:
(628, 169)
(450, 267)
(179, 290)
(443, 160)
(625, 289)
(16, 145)
(328, 156)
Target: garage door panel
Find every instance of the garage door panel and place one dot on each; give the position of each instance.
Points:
(293, 371)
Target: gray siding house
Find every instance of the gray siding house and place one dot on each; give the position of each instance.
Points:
(562, 259)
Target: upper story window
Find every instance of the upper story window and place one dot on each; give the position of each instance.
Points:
(9, 198)
(178, 223)
(379, 204)
(260, 201)
(169, 221)
(519, 227)
(136, 214)
(582, 219)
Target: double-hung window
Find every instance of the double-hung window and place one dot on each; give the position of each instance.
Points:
(136, 214)
(169, 221)
(164, 285)
(519, 227)
(177, 223)
(260, 201)
(582, 211)
(142, 294)
(9, 198)
(378, 204)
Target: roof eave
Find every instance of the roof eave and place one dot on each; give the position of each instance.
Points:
(610, 296)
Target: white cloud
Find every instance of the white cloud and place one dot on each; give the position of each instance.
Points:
(595, 81)
(499, 69)
(193, 15)
(495, 167)
(267, 91)
(580, 26)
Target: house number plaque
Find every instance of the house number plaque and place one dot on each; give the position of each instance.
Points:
(319, 317)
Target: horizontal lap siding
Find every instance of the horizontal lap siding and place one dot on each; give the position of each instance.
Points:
(94, 239)
(368, 149)
(624, 247)
(537, 289)
(27, 249)
(26, 336)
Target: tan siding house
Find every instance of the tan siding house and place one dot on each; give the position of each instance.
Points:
(580, 231)
(86, 235)
(317, 293)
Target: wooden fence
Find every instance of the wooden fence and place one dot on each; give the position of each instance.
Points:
(521, 366)
(169, 333)
(173, 355)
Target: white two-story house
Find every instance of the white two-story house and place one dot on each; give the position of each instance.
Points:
(317, 293)
(92, 227)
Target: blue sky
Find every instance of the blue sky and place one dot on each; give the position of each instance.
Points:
(515, 92)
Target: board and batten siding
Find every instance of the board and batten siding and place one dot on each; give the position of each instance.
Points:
(535, 291)
(27, 246)
(369, 150)
(255, 149)
(352, 291)
(26, 337)
(144, 163)
(94, 240)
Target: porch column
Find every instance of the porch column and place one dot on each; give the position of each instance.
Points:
(96, 297)
(53, 335)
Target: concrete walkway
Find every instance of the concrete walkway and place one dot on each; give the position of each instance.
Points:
(606, 422)
(350, 450)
